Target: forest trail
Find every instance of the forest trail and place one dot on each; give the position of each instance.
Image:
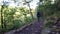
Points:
(34, 28)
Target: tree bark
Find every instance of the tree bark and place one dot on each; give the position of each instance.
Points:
(30, 10)
(2, 16)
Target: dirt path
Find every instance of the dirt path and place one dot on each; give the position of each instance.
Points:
(31, 29)
(34, 28)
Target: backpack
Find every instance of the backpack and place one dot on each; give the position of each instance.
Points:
(38, 14)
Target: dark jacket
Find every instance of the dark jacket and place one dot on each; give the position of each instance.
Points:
(38, 14)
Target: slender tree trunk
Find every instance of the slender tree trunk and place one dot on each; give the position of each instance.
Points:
(30, 10)
(2, 24)
(2, 16)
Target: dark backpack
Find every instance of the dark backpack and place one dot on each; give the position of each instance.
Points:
(38, 14)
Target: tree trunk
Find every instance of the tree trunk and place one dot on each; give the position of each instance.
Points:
(2, 24)
(30, 10)
(2, 16)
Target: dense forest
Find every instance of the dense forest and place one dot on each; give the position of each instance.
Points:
(13, 18)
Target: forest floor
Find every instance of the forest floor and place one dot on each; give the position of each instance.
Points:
(34, 28)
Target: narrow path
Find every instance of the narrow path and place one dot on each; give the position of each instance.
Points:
(31, 29)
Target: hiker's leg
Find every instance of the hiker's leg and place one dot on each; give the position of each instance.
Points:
(38, 18)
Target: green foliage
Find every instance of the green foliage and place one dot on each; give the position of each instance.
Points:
(49, 24)
(49, 10)
(15, 18)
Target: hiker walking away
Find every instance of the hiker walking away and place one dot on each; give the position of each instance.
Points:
(38, 15)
